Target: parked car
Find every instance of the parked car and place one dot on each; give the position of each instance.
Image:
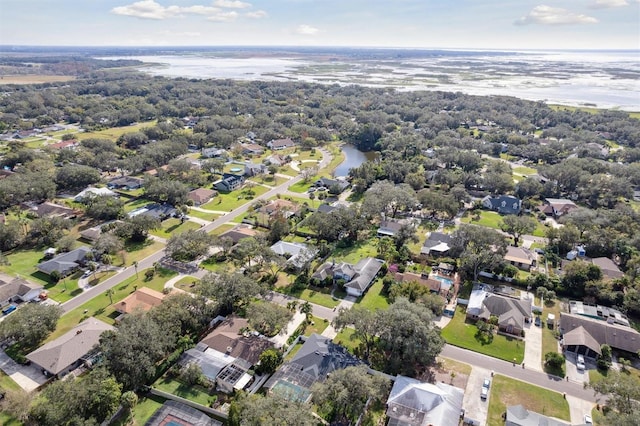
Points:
(580, 363)
(537, 321)
(486, 383)
(484, 393)
(312, 189)
(588, 420)
(9, 309)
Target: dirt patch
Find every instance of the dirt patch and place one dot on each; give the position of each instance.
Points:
(33, 79)
(443, 375)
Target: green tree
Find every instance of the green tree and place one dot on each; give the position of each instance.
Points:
(623, 393)
(256, 410)
(268, 318)
(31, 324)
(343, 395)
(188, 245)
(517, 226)
(554, 360)
(17, 403)
(479, 248)
(230, 291)
(192, 375)
(270, 359)
(128, 400)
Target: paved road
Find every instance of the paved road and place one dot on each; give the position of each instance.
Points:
(517, 372)
(155, 257)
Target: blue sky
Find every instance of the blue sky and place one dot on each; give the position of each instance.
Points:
(490, 24)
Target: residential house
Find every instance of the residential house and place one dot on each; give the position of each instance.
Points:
(238, 349)
(412, 402)
(213, 152)
(128, 183)
(436, 244)
(435, 286)
(603, 313)
(240, 232)
(512, 313)
(584, 335)
(326, 208)
(609, 269)
(254, 169)
(94, 192)
(177, 413)
(201, 196)
(49, 209)
(503, 204)
(252, 149)
(276, 160)
(229, 182)
(298, 255)
(280, 144)
(335, 186)
(557, 207)
(143, 299)
(66, 353)
(66, 263)
(157, 211)
(70, 144)
(358, 277)
(517, 415)
(210, 361)
(520, 257)
(314, 362)
(16, 289)
(388, 228)
(285, 207)
(92, 234)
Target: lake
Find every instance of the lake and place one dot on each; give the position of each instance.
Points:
(353, 158)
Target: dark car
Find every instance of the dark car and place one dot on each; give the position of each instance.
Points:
(538, 322)
(9, 309)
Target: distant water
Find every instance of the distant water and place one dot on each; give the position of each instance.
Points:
(604, 79)
(353, 158)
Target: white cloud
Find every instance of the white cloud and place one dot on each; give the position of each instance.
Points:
(306, 30)
(257, 14)
(149, 9)
(231, 4)
(547, 15)
(606, 4)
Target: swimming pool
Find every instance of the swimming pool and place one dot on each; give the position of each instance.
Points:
(443, 280)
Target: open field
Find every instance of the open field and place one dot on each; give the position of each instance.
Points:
(114, 133)
(34, 79)
(506, 391)
(460, 333)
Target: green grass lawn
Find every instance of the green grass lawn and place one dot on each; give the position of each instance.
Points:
(135, 252)
(359, 250)
(192, 393)
(301, 186)
(114, 133)
(135, 204)
(460, 333)
(101, 306)
(524, 171)
(233, 200)
(317, 325)
(319, 296)
(142, 412)
(506, 391)
(202, 215)
(222, 229)
(346, 338)
(174, 226)
(213, 265)
(549, 341)
(487, 218)
(374, 299)
(270, 180)
(187, 284)
(293, 352)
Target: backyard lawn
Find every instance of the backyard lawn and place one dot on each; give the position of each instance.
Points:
(192, 393)
(374, 299)
(174, 226)
(506, 391)
(493, 220)
(142, 412)
(460, 333)
(359, 250)
(101, 306)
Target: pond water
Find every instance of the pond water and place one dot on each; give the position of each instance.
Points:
(353, 158)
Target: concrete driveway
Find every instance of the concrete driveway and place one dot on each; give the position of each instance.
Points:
(28, 377)
(578, 408)
(474, 407)
(533, 347)
(573, 373)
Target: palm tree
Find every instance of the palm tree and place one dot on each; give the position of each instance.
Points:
(110, 294)
(306, 308)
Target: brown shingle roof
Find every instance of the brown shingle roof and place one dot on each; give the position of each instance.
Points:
(144, 299)
(226, 338)
(614, 335)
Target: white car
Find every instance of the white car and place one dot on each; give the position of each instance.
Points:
(588, 420)
(580, 363)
